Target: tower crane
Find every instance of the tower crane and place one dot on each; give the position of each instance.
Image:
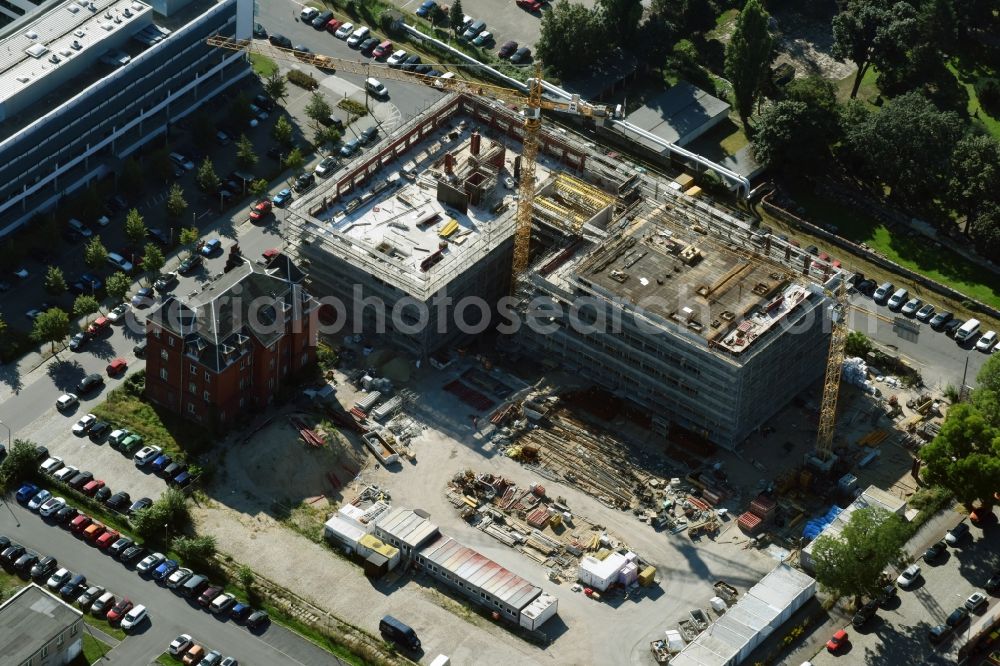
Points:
(532, 104)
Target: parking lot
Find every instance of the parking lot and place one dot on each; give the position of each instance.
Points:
(898, 632)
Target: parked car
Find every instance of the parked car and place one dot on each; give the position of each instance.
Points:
(146, 455)
(120, 546)
(178, 577)
(521, 55)
(935, 552)
(194, 656)
(120, 262)
(39, 498)
(58, 579)
(150, 562)
(425, 8)
(144, 297)
(304, 182)
(925, 313)
(165, 283)
(956, 533)
(282, 197)
(44, 568)
(957, 617)
(397, 58)
(384, 49)
(864, 614)
(837, 641)
(99, 431)
(909, 576)
(133, 618)
(180, 645)
(507, 49)
(349, 148)
(51, 465)
(104, 603)
(986, 341)
(73, 587)
(211, 247)
(160, 462)
(26, 492)
(368, 135)
(898, 299)
(81, 427)
(78, 340)
(80, 480)
(65, 515)
(257, 620)
(118, 612)
(52, 506)
(344, 31)
(327, 166)
(90, 596)
(240, 612)
(139, 504)
(107, 538)
(938, 633)
(90, 383)
(131, 554)
(976, 601)
(260, 210)
(209, 594)
(190, 263)
(66, 402)
(883, 292)
(222, 604)
(164, 569)
(911, 306)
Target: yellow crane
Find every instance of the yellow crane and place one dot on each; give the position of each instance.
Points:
(532, 104)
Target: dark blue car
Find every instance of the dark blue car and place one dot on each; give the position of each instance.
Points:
(26, 492)
(240, 612)
(164, 570)
(161, 461)
(181, 479)
(211, 247)
(426, 8)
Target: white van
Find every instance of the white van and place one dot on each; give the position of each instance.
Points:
(376, 87)
(358, 36)
(967, 330)
(898, 299)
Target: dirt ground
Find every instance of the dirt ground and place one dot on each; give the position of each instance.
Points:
(274, 470)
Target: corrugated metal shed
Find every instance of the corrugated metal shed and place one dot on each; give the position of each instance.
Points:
(765, 607)
(480, 572)
(406, 527)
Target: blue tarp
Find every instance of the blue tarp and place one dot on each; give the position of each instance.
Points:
(816, 525)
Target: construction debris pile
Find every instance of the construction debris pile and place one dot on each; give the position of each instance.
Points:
(856, 373)
(542, 528)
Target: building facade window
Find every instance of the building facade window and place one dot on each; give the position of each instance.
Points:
(163, 374)
(194, 369)
(164, 355)
(170, 341)
(190, 408)
(208, 377)
(193, 388)
(206, 396)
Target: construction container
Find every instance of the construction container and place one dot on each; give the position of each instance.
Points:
(693, 191)
(629, 574)
(601, 574)
(685, 181)
(538, 611)
(647, 576)
(750, 523)
(381, 448)
(763, 507)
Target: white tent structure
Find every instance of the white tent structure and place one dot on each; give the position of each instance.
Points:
(765, 607)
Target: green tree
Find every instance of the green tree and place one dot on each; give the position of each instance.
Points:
(135, 227)
(975, 172)
(654, 40)
(258, 188)
(868, 31)
(51, 326)
(176, 203)
(852, 563)
(84, 306)
(20, 464)
(318, 109)
(130, 177)
(282, 131)
(199, 549)
(294, 160)
(789, 136)
(188, 237)
(95, 254)
(572, 38)
(117, 285)
(437, 15)
(985, 229)
(858, 344)
(327, 136)
(55, 281)
(748, 57)
(169, 510)
(245, 576)
(276, 87)
(913, 136)
(986, 396)
(621, 19)
(456, 16)
(152, 259)
(206, 178)
(964, 457)
(246, 155)
(691, 17)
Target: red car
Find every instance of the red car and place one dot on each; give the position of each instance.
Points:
(80, 523)
(100, 324)
(332, 26)
(105, 540)
(838, 641)
(382, 50)
(94, 530)
(117, 367)
(270, 254)
(530, 5)
(120, 610)
(92, 487)
(260, 210)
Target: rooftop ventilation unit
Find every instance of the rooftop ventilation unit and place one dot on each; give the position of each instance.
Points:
(54, 59)
(79, 33)
(76, 46)
(127, 13)
(36, 50)
(23, 79)
(73, 9)
(31, 34)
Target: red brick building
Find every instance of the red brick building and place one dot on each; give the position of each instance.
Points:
(224, 351)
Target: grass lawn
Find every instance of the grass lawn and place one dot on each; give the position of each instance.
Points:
(868, 92)
(976, 112)
(156, 425)
(93, 649)
(263, 65)
(104, 626)
(914, 252)
(166, 660)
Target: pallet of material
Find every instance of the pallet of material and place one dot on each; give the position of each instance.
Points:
(763, 507)
(538, 518)
(750, 523)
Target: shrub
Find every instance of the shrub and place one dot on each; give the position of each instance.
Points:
(988, 91)
(302, 79)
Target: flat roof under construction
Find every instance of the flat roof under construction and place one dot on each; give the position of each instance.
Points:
(673, 270)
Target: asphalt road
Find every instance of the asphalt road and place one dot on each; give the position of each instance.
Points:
(280, 17)
(940, 359)
(170, 615)
(898, 633)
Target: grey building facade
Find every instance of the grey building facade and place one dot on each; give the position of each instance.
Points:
(38, 629)
(86, 118)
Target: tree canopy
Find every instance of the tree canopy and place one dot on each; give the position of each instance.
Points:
(51, 326)
(748, 57)
(572, 38)
(869, 30)
(85, 305)
(246, 155)
(852, 562)
(95, 254)
(55, 281)
(621, 19)
(117, 285)
(152, 258)
(176, 203)
(135, 226)
(19, 465)
(206, 177)
(965, 456)
(276, 87)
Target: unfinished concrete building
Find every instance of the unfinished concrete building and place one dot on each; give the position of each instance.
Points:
(681, 313)
(428, 213)
(666, 299)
